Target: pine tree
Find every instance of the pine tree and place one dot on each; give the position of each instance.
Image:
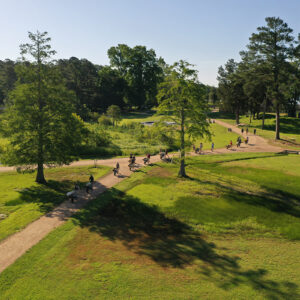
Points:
(39, 120)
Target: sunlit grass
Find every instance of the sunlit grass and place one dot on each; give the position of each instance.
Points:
(22, 200)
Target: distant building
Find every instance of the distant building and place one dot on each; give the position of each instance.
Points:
(150, 123)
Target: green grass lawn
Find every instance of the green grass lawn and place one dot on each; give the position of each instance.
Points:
(229, 231)
(290, 127)
(22, 200)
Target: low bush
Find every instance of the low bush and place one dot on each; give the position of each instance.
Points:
(104, 120)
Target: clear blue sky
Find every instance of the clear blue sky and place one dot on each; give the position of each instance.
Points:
(205, 33)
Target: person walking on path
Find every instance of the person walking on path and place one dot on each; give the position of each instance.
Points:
(91, 179)
(242, 130)
(212, 146)
(247, 130)
(200, 148)
(116, 169)
(254, 131)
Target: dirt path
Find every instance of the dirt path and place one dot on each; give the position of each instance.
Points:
(256, 143)
(16, 245)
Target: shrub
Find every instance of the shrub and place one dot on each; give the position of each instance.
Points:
(93, 116)
(104, 120)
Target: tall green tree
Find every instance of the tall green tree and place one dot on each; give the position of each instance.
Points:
(274, 44)
(182, 98)
(81, 77)
(255, 83)
(230, 89)
(111, 89)
(213, 95)
(114, 112)
(8, 77)
(39, 119)
(142, 71)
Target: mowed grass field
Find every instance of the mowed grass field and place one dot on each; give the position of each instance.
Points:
(230, 230)
(22, 200)
(289, 128)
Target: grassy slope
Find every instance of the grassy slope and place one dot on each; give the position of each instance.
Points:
(23, 200)
(132, 243)
(290, 128)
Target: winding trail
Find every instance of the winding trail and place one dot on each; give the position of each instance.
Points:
(17, 244)
(256, 143)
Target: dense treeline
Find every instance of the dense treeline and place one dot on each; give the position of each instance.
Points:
(267, 77)
(130, 81)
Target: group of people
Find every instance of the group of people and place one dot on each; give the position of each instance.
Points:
(147, 159)
(247, 130)
(199, 150)
(131, 161)
(72, 195)
(238, 142)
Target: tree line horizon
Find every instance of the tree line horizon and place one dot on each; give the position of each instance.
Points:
(129, 81)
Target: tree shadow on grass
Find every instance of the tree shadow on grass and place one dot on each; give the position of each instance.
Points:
(47, 196)
(170, 243)
(191, 162)
(273, 199)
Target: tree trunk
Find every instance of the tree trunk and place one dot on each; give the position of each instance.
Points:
(40, 178)
(277, 137)
(250, 117)
(237, 116)
(264, 114)
(181, 172)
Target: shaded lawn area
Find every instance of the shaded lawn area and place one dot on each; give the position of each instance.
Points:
(214, 235)
(22, 200)
(289, 127)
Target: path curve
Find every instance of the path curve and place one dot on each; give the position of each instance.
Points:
(256, 143)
